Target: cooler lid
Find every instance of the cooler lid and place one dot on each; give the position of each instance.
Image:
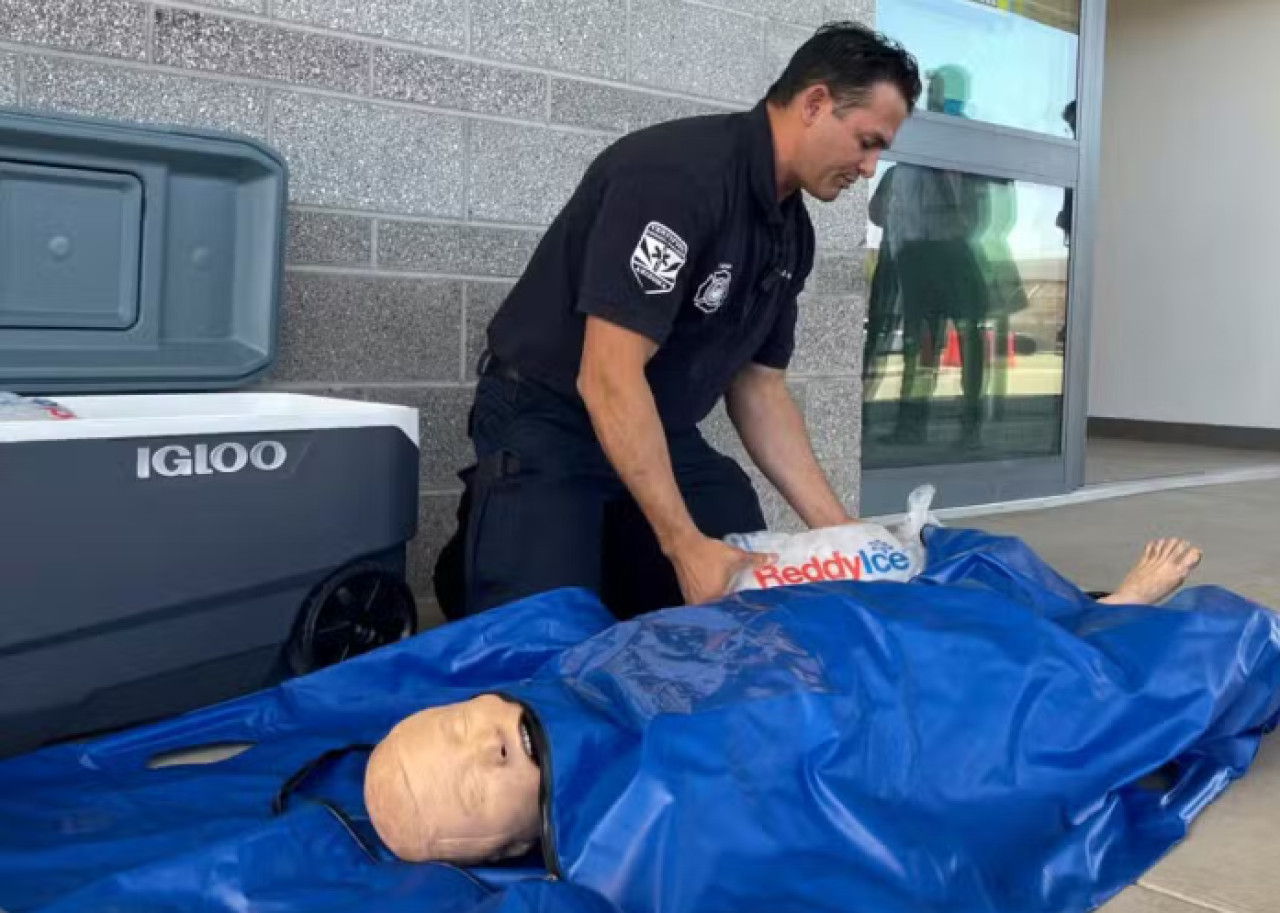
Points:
(136, 258)
(169, 415)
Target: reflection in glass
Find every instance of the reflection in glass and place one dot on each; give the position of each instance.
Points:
(1008, 62)
(964, 351)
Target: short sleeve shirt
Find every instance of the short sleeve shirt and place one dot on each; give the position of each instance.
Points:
(675, 232)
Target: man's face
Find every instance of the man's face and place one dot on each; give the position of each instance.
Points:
(841, 145)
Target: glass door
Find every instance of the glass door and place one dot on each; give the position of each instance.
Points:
(974, 357)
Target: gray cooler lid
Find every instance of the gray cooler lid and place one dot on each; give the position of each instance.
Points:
(136, 259)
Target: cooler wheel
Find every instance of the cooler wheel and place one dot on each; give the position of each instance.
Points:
(359, 608)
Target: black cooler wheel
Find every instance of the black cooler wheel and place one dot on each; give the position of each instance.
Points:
(361, 607)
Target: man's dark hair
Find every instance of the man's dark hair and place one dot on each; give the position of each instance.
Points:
(849, 59)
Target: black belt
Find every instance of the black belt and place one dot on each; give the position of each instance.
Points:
(490, 366)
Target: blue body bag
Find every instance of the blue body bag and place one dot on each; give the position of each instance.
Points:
(985, 739)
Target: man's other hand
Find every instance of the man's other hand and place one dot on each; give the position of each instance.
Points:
(706, 567)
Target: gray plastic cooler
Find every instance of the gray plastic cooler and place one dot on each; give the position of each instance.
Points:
(158, 553)
(168, 550)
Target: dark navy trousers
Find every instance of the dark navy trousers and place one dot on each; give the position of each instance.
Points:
(542, 507)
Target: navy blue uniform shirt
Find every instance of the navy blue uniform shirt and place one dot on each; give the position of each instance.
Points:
(675, 232)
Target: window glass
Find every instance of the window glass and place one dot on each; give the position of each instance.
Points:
(1008, 62)
(967, 314)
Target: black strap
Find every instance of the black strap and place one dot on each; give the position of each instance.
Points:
(306, 771)
(294, 785)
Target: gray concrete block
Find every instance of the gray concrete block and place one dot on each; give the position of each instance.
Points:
(525, 174)
(366, 156)
(845, 476)
(841, 226)
(438, 23)
(778, 515)
(839, 274)
(113, 28)
(829, 334)
(8, 79)
(473, 250)
(572, 36)
(780, 42)
(696, 49)
(203, 41)
(367, 329)
(851, 10)
(445, 82)
(247, 6)
(443, 446)
(483, 301)
(437, 518)
(586, 104)
(803, 12)
(834, 415)
(90, 89)
(326, 238)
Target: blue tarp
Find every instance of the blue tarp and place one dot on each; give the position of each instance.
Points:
(978, 740)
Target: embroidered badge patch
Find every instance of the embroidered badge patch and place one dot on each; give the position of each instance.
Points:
(714, 290)
(657, 259)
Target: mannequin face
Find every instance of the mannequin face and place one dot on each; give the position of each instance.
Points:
(456, 784)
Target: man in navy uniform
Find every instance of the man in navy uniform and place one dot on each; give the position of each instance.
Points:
(669, 279)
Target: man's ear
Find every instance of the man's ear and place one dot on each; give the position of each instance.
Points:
(812, 102)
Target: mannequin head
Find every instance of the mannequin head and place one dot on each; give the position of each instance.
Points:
(456, 784)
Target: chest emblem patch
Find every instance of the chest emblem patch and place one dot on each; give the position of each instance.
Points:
(657, 259)
(714, 290)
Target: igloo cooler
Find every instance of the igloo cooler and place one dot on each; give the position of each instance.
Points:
(163, 552)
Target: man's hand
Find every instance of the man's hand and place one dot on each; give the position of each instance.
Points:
(706, 567)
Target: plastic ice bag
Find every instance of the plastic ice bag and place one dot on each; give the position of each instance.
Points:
(853, 551)
(15, 408)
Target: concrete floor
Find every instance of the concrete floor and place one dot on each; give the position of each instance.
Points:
(1112, 460)
(1230, 862)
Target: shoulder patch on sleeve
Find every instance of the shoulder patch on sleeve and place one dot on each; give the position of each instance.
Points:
(657, 259)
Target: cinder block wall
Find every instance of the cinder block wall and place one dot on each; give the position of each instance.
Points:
(429, 142)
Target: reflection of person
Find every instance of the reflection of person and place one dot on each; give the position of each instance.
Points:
(669, 280)
(460, 783)
(1068, 196)
(1006, 292)
(931, 218)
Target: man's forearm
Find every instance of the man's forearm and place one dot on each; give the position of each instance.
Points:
(626, 422)
(774, 434)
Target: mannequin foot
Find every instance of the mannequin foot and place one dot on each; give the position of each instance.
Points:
(1164, 566)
